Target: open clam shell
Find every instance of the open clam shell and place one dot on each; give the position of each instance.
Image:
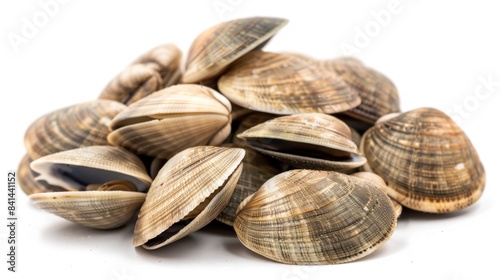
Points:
(378, 94)
(93, 209)
(216, 48)
(313, 140)
(151, 72)
(257, 169)
(171, 120)
(191, 189)
(285, 84)
(76, 169)
(428, 162)
(315, 217)
(76, 126)
(27, 182)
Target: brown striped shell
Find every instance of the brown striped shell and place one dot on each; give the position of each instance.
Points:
(98, 209)
(76, 169)
(257, 169)
(378, 94)
(315, 217)
(76, 126)
(428, 162)
(171, 120)
(285, 84)
(152, 71)
(380, 183)
(312, 140)
(191, 189)
(216, 48)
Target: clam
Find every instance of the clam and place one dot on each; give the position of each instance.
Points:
(315, 217)
(80, 125)
(216, 48)
(27, 182)
(108, 207)
(171, 120)
(428, 162)
(74, 170)
(378, 94)
(152, 71)
(380, 183)
(191, 189)
(285, 84)
(312, 140)
(257, 169)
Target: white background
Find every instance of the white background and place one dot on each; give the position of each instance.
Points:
(436, 52)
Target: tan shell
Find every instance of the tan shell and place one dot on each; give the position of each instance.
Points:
(171, 120)
(427, 161)
(313, 141)
(380, 183)
(285, 84)
(154, 70)
(216, 48)
(378, 94)
(80, 125)
(93, 209)
(75, 169)
(190, 190)
(27, 182)
(257, 169)
(315, 217)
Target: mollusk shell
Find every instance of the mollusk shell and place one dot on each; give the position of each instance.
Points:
(216, 48)
(76, 126)
(171, 120)
(309, 140)
(76, 169)
(191, 189)
(285, 84)
(315, 217)
(428, 162)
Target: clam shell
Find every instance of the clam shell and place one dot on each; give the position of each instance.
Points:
(151, 72)
(80, 125)
(257, 169)
(312, 140)
(93, 209)
(185, 182)
(378, 94)
(216, 48)
(285, 84)
(249, 122)
(428, 162)
(27, 182)
(75, 169)
(171, 120)
(315, 217)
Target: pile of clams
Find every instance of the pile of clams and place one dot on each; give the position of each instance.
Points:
(309, 161)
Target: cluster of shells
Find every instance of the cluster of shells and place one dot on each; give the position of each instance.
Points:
(310, 161)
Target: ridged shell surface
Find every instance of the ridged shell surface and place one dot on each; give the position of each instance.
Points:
(216, 48)
(315, 217)
(429, 163)
(76, 126)
(285, 84)
(184, 183)
(171, 120)
(93, 209)
(378, 94)
(309, 140)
